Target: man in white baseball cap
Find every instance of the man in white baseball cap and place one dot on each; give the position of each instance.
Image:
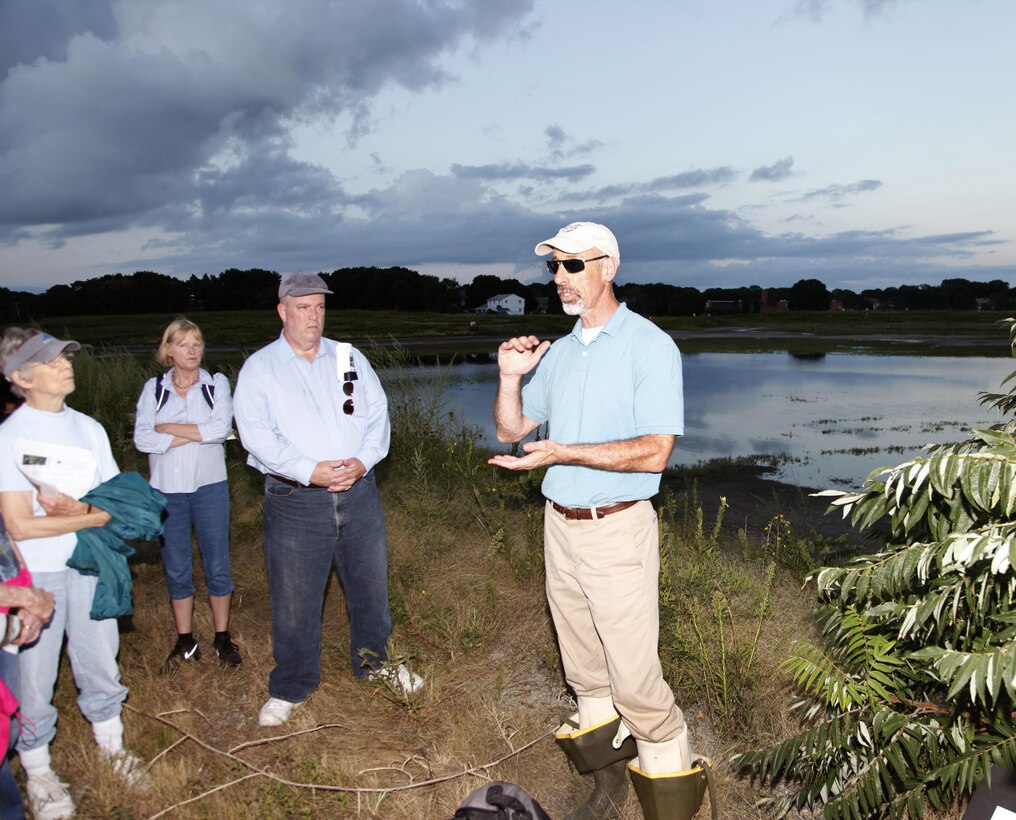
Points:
(611, 392)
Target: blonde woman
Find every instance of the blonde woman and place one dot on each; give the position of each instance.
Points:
(183, 417)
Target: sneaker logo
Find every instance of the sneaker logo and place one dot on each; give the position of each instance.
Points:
(190, 652)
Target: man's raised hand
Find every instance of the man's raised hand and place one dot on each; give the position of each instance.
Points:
(519, 355)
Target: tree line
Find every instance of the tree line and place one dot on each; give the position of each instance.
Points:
(398, 288)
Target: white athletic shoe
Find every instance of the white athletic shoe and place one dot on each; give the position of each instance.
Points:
(131, 769)
(275, 712)
(49, 797)
(399, 677)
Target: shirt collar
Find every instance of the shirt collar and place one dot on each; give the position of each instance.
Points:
(284, 352)
(204, 377)
(613, 323)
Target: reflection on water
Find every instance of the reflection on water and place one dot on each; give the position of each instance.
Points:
(837, 417)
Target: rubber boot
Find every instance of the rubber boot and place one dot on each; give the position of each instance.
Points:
(603, 750)
(668, 784)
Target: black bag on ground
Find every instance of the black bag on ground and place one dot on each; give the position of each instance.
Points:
(500, 801)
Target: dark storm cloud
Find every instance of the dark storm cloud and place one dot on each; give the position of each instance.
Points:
(773, 173)
(521, 170)
(267, 179)
(129, 120)
(34, 29)
(426, 218)
(172, 119)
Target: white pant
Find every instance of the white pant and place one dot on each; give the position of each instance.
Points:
(92, 647)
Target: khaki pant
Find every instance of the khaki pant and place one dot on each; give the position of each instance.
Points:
(603, 590)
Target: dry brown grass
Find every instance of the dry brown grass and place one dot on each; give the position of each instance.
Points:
(489, 693)
(494, 693)
(477, 627)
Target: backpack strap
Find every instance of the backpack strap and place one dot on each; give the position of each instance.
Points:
(162, 394)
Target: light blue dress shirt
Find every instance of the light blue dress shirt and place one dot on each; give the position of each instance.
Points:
(289, 411)
(626, 383)
(185, 468)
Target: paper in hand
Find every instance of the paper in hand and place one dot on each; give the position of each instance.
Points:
(56, 468)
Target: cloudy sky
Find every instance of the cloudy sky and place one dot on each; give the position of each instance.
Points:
(866, 143)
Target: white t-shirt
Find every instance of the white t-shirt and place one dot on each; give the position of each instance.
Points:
(68, 428)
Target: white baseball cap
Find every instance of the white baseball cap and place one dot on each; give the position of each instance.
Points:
(581, 236)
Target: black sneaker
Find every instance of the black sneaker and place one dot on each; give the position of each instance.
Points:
(228, 652)
(184, 652)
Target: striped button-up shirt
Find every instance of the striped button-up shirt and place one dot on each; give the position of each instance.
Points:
(185, 468)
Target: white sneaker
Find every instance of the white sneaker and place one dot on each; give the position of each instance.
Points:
(275, 712)
(48, 797)
(399, 677)
(131, 769)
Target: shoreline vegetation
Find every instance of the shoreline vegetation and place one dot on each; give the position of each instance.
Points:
(430, 335)
(468, 606)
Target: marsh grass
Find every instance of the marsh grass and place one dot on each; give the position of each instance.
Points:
(466, 578)
(802, 333)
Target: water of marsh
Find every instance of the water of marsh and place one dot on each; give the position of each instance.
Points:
(830, 419)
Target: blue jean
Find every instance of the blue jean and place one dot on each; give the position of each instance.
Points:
(207, 508)
(306, 531)
(91, 646)
(12, 806)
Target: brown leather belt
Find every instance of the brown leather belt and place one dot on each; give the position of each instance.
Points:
(591, 513)
(283, 480)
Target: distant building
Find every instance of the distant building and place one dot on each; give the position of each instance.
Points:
(836, 304)
(510, 304)
(715, 306)
(772, 307)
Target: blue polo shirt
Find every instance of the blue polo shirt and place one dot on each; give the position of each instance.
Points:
(626, 383)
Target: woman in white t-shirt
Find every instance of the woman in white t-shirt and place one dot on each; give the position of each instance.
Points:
(39, 370)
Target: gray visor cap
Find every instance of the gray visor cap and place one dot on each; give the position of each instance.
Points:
(40, 348)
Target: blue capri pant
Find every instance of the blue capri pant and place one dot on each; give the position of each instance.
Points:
(207, 510)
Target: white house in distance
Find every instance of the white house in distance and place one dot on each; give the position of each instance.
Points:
(508, 303)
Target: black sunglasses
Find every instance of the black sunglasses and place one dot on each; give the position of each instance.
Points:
(347, 387)
(572, 265)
